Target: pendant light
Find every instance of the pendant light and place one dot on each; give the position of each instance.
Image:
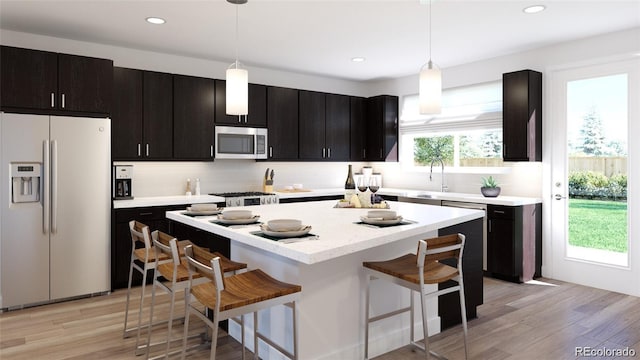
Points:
(237, 79)
(430, 89)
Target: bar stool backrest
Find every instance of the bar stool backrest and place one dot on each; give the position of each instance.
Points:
(140, 233)
(205, 263)
(441, 248)
(167, 244)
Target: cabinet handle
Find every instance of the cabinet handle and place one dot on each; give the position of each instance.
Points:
(147, 149)
(323, 153)
(239, 119)
(329, 153)
(246, 118)
(146, 214)
(489, 225)
(380, 153)
(53, 100)
(270, 151)
(211, 150)
(139, 149)
(364, 153)
(498, 211)
(63, 101)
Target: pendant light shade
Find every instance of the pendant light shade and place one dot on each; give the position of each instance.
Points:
(237, 85)
(237, 91)
(430, 89)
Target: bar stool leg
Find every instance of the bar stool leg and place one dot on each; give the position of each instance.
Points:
(366, 328)
(153, 301)
(126, 311)
(187, 301)
(144, 286)
(425, 325)
(255, 336)
(463, 313)
(295, 332)
(411, 315)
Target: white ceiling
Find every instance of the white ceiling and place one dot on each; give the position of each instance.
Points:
(321, 37)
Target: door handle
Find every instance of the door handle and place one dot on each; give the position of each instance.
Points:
(54, 186)
(46, 187)
(559, 197)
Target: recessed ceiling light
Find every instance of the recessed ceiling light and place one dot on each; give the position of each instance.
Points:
(357, 59)
(534, 9)
(156, 20)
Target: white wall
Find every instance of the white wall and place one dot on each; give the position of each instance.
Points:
(520, 179)
(168, 178)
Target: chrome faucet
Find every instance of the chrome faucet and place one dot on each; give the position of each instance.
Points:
(443, 187)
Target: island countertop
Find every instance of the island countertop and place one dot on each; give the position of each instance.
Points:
(337, 229)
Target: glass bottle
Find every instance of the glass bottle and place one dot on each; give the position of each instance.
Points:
(349, 185)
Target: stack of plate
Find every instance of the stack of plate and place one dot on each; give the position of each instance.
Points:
(203, 209)
(381, 217)
(238, 217)
(285, 228)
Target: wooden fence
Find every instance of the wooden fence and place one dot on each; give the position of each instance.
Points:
(605, 165)
(608, 166)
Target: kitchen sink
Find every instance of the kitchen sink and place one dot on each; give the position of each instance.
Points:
(425, 196)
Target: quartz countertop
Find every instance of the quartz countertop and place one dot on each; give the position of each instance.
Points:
(419, 194)
(337, 228)
(166, 200)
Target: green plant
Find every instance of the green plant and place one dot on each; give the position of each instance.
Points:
(489, 182)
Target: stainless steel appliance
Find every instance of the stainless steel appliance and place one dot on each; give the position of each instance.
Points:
(122, 177)
(55, 208)
(240, 143)
(248, 198)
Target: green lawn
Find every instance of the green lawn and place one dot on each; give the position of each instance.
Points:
(598, 224)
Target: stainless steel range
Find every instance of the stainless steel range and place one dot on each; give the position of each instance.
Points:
(248, 198)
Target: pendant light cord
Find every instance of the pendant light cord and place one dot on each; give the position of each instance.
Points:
(237, 36)
(430, 1)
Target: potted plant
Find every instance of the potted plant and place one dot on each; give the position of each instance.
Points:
(490, 187)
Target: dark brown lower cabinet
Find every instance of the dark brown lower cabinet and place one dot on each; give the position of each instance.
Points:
(155, 218)
(449, 304)
(514, 242)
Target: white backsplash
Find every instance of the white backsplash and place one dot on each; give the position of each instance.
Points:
(169, 178)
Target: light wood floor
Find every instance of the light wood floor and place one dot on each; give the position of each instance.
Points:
(517, 321)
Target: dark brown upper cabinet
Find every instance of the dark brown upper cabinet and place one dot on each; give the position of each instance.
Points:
(282, 120)
(324, 126)
(381, 128)
(142, 117)
(358, 143)
(522, 116)
(257, 116)
(51, 83)
(193, 117)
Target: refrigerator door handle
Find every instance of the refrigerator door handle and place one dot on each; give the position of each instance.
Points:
(45, 196)
(54, 186)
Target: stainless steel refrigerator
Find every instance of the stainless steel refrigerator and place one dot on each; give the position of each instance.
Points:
(55, 208)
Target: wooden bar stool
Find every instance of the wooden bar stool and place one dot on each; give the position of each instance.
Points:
(416, 271)
(143, 259)
(173, 277)
(235, 295)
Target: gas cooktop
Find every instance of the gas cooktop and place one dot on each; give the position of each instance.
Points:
(240, 194)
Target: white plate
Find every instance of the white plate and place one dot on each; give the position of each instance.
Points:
(202, 213)
(379, 221)
(285, 234)
(250, 220)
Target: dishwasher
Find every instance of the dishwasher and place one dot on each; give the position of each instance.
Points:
(475, 206)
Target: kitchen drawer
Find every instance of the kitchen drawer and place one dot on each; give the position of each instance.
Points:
(501, 212)
(145, 213)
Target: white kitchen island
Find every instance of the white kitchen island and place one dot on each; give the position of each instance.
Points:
(331, 310)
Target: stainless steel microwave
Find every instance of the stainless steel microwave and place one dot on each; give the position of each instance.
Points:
(240, 143)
